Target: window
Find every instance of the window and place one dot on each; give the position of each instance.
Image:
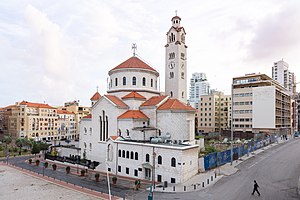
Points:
(135, 172)
(123, 154)
(120, 153)
(134, 80)
(127, 132)
(127, 154)
(144, 81)
(173, 162)
(173, 180)
(124, 80)
(136, 156)
(127, 170)
(151, 82)
(159, 160)
(116, 81)
(119, 168)
(147, 158)
(131, 155)
(158, 178)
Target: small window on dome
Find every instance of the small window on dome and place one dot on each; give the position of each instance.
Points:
(151, 82)
(116, 81)
(124, 80)
(144, 81)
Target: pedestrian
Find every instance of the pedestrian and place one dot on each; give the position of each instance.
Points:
(255, 188)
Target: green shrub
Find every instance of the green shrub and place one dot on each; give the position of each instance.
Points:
(15, 149)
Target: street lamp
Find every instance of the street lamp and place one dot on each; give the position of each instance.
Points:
(232, 111)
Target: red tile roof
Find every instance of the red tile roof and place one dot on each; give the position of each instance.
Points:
(175, 17)
(36, 105)
(88, 116)
(95, 97)
(134, 62)
(64, 112)
(117, 101)
(114, 137)
(175, 104)
(133, 95)
(153, 101)
(133, 114)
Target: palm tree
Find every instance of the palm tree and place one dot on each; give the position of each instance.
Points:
(20, 142)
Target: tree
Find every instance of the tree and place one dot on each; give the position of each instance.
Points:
(44, 147)
(35, 148)
(7, 140)
(20, 142)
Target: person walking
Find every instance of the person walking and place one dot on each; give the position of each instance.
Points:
(255, 188)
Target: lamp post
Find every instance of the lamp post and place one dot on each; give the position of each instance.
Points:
(232, 111)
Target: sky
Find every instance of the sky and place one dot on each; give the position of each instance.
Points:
(57, 51)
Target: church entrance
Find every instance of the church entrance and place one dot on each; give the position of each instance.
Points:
(147, 174)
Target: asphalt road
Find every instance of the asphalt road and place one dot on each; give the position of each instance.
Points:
(276, 170)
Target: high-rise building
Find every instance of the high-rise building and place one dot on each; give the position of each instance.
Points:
(282, 74)
(214, 112)
(198, 86)
(261, 105)
(297, 100)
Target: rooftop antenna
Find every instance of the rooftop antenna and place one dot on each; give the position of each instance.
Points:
(134, 48)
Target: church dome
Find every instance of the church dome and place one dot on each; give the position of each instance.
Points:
(133, 63)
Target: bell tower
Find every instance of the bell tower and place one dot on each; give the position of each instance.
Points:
(175, 69)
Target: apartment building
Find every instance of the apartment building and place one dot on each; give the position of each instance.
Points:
(66, 124)
(5, 125)
(79, 111)
(214, 112)
(261, 105)
(297, 117)
(282, 74)
(32, 120)
(198, 86)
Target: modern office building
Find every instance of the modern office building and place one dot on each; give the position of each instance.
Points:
(198, 86)
(261, 105)
(214, 112)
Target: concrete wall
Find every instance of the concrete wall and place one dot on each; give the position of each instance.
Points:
(264, 107)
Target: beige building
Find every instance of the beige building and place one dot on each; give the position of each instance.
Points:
(79, 111)
(214, 112)
(261, 105)
(33, 120)
(66, 124)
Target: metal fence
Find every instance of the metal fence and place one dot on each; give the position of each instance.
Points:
(216, 159)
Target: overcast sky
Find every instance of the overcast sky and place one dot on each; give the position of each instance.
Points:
(58, 51)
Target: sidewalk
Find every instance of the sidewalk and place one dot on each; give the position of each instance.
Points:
(204, 180)
(64, 184)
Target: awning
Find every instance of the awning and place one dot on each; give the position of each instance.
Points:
(147, 165)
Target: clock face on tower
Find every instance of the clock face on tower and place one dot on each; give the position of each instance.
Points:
(171, 65)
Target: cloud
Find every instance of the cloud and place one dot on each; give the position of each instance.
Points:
(277, 34)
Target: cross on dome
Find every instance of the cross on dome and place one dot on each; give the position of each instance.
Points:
(134, 48)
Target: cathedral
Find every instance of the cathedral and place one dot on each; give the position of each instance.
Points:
(137, 131)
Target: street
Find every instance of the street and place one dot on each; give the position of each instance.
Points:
(276, 171)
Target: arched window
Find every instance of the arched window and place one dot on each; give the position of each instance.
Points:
(171, 94)
(134, 80)
(136, 156)
(147, 158)
(120, 153)
(110, 82)
(127, 154)
(127, 132)
(159, 160)
(116, 81)
(144, 81)
(109, 152)
(173, 162)
(151, 82)
(84, 145)
(182, 94)
(123, 154)
(119, 132)
(131, 155)
(124, 80)
(90, 145)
